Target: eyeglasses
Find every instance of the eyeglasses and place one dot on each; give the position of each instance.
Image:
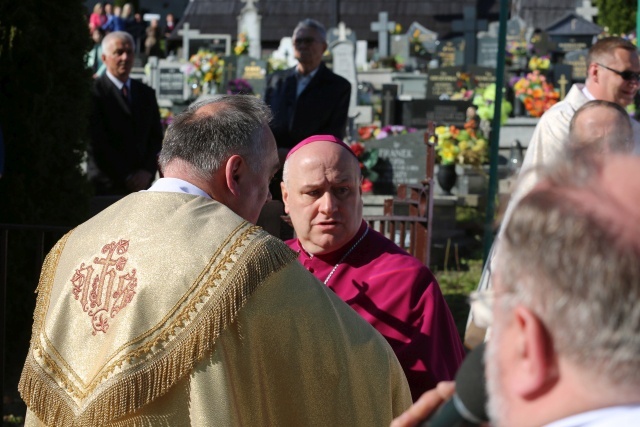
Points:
(304, 40)
(629, 76)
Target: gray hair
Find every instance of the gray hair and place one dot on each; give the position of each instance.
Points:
(313, 24)
(116, 35)
(620, 139)
(206, 141)
(578, 270)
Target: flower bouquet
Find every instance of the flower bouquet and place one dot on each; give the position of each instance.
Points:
(535, 92)
(368, 158)
(166, 117)
(466, 146)
(204, 72)
(242, 45)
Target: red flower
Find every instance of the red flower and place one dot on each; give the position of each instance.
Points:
(367, 186)
(357, 148)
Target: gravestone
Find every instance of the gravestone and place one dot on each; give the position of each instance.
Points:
(254, 71)
(343, 52)
(542, 43)
(341, 32)
(442, 81)
(488, 51)
(285, 52)
(483, 76)
(469, 25)
(573, 32)
(451, 52)
(516, 29)
(249, 22)
(361, 54)
(418, 112)
(402, 160)
(578, 61)
(229, 71)
(171, 82)
(562, 78)
(427, 38)
(400, 46)
(389, 104)
(383, 26)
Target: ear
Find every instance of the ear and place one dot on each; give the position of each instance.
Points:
(535, 365)
(592, 72)
(285, 196)
(233, 170)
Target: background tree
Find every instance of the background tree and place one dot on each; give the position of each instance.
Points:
(619, 16)
(44, 102)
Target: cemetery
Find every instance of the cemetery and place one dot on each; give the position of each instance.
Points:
(421, 112)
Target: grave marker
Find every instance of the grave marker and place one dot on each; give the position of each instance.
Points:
(587, 10)
(418, 112)
(382, 27)
(171, 82)
(484, 76)
(254, 71)
(442, 81)
(402, 160)
(389, 96)
(469, 25)
(578, 61)
(451, 52)
(562, 78)
(343, 52)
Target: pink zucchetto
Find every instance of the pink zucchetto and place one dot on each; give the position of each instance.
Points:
(314, 138)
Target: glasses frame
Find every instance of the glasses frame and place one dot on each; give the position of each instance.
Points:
(627, 75)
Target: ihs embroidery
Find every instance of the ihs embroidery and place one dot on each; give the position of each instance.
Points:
(104, 294)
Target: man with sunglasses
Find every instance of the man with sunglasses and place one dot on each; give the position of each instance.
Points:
(308, 99)
(613, 74)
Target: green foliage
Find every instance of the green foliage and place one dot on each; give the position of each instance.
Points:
(44, 88)
(619, 16)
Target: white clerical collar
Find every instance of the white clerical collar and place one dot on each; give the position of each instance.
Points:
(588, 94)
(176, 185)
(601, 417)
(117, 82)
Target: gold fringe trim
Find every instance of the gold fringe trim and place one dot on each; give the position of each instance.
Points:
(263, 256)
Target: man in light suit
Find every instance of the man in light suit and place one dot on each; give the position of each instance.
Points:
(308, 99)
(126, 134)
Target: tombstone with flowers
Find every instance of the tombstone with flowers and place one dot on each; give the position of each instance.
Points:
(204, 73)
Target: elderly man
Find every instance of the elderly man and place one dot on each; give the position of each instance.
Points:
(389, 288)
(307, 99)
(566, 322)
(171, 308)
(125, 129)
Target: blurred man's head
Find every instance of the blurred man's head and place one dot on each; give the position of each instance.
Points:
(321, 194)
(613, 70)
(566, 318)
(600, 126)
(117, 54)
(224, 146)
(309, 44)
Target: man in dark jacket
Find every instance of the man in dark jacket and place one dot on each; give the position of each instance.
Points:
(126, 134)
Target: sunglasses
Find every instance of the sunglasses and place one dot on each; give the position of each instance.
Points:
(629, 76)
(304, 40)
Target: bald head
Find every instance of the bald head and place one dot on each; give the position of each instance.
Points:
(321, 193)
(600, 126)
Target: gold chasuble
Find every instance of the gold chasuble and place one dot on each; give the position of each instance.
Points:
(167, 309)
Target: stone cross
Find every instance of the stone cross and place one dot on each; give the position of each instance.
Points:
(470, 25)
(230, 69)
(587, 10)
(186, 33)
(382, 27)
(342, 31)
(563, 86)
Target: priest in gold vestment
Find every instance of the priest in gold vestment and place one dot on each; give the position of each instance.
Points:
(170, 308)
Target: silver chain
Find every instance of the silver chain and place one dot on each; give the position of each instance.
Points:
(346, 255)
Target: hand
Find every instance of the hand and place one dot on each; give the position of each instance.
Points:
(426, 405)
(140, 180)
